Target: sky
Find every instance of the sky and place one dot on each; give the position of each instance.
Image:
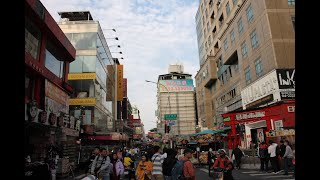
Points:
(152, 34)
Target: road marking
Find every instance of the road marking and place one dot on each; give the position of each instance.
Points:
(279, 176)
(204, 170)
(265, 174)
(80, 176)
(248, 172)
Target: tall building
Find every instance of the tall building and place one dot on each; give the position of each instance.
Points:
(245, 43)
(48, 54)
(92, 74)
(176, 107)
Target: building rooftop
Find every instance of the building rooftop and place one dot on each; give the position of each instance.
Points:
(76, 15)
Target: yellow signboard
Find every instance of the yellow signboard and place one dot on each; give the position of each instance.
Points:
(83, 101)
(277, 133)
(120, 82)
(81, 76)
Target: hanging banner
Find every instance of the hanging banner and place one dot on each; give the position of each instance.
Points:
(119, 82)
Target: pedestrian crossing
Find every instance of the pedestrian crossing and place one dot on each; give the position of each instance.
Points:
(247, 174)
(263, 175)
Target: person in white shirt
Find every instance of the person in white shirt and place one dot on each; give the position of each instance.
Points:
(272, 151)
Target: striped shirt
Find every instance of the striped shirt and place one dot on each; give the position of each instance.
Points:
(157, 161)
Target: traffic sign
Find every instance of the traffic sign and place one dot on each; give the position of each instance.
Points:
(170, 117)
(172, 123)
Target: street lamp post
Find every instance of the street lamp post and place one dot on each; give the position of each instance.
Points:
(168, 98)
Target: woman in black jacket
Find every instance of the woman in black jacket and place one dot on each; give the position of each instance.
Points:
(168, 163)
(238, 154)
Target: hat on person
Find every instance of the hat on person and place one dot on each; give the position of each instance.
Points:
(187, 151)
(222, 151)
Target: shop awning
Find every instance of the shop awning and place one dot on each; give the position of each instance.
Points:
(208, 131)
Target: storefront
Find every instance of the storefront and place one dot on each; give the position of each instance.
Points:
(253, 126)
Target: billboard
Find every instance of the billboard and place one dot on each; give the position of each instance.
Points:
(287, 81)
(119, 82)
(263, 87)
(177, 85)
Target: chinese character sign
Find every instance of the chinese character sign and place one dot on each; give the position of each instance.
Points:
(176, 85)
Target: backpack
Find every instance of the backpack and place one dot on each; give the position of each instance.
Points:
(226, 163)
(167, 166)
(177, 170)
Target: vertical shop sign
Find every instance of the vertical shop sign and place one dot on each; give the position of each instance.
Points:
(120, 82)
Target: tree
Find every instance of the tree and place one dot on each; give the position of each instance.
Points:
(153, 130)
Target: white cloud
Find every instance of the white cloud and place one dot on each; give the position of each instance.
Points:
(152, 35)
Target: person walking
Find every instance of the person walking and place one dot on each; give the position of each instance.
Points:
(168, 164)
(223, 163)
(287, 157)
(157, 161)
(118, 168)
(189, 171)
(282, 151)
(101, 165)
(272, 151)
(95, 153)
(263, 155)
(238, 154)
(144, 168)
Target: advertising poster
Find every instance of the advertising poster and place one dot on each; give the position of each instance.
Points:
(260, 135)
(176, 85)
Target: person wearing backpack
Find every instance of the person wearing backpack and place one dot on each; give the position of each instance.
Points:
(223, 164)
(168, 164)
(101, 165)
(263, 155)
(184, 169)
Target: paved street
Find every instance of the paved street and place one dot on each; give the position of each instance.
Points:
(246, 174)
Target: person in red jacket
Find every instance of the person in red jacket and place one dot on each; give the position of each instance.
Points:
(223, 164)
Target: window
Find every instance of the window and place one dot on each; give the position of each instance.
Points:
(32, 39)
(249, 14)
(52, 60)
(83, 41)
(203, 23)
(258, 65)
(291, 2)
(232, 36)
(228, 8)
(234, 2)
(293, 22)
(247, 75)
(244, 50)
(230, 73)
(83, 64)
(254, 39)
(240, 26)
(225, 44)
